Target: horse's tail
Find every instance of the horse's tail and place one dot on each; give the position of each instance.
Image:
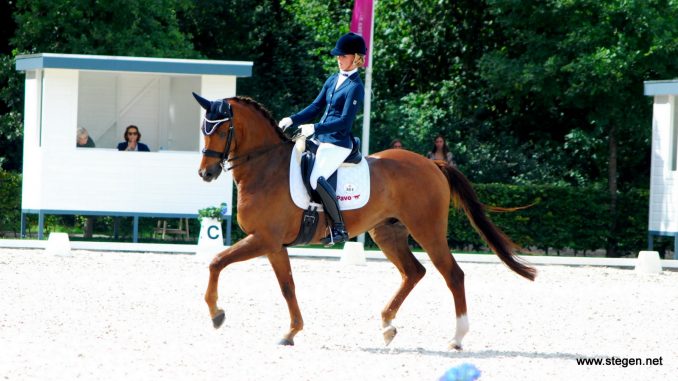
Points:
(465, 197)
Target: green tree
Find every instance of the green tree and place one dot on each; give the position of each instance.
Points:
(124, 28)
(571, 73)
(288, 69)
(130, 28)
(10, 96)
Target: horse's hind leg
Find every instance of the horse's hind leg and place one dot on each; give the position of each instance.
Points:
(283, 271)
(392, 240)
(435, 245)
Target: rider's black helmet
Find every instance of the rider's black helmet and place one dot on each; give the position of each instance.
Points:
(350, 43)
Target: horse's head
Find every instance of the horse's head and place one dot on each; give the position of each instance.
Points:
(217, 129)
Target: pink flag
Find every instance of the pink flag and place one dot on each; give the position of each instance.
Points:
(361, 23)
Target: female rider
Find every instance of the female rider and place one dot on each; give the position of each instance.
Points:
(340, 98)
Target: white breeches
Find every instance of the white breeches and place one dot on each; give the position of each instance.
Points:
(328, 158)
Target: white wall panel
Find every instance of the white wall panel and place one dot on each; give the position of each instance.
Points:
(32, 160)
(663, 214)
(59, 109)
(183, 115)
(131, 182)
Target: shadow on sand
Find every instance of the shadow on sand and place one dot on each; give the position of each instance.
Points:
(482, 354)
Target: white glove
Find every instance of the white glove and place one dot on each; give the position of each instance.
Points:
(307, 129)
(284, 123)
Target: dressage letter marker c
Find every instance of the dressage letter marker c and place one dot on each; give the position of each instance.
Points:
(209, 232)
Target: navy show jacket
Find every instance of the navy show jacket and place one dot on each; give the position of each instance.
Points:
(341, 106)
(140, 147)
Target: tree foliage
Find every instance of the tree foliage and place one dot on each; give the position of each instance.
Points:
(526, 91)
(571, 73)
(128, 28)
(278, 37)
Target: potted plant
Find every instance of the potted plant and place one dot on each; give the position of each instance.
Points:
(214, 212)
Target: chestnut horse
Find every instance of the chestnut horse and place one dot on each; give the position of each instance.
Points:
(410, 195)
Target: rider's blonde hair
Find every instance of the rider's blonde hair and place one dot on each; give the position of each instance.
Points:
(359, 60)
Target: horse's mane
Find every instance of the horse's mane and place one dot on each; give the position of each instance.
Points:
(264, 112)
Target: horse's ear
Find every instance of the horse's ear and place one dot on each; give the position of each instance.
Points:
(204, 103)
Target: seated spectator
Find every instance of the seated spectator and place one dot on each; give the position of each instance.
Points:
(396, 144)
(440, 151)
(83, 139)
(131, 143)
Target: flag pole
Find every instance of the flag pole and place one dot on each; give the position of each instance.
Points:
(367, 107)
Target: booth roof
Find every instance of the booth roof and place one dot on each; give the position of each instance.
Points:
(133, 64)
(668, 87)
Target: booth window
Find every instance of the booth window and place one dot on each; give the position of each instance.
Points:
(160, 105)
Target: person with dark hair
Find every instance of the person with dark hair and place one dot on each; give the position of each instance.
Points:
(339, 101)
(396, 144)
(440, 151)
(132, 143)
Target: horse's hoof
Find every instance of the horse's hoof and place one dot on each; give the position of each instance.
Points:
(218, 319)
(456, 346)
(389, 333)
(286, 342)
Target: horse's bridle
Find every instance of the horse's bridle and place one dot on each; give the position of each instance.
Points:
(210, 126)
(222, 156)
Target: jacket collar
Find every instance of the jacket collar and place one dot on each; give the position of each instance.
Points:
(352, 76)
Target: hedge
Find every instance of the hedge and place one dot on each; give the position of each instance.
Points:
(10, 201)
(560, 218)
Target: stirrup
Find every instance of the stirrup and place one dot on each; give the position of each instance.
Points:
(335, 236)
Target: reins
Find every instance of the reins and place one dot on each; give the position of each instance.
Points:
(249, 156)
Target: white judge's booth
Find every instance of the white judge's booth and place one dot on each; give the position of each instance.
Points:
(663, 213)
(105, 94)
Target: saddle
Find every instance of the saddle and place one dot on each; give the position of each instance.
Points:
(308, 159)
(309, 218)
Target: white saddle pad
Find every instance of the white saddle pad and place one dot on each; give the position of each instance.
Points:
(353, 184)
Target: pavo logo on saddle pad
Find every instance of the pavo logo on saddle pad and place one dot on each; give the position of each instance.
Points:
(349, 193)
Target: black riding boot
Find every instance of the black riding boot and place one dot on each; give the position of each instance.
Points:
(338, 232)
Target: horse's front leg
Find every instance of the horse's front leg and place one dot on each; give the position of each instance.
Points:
(247, 248)
(283, 271)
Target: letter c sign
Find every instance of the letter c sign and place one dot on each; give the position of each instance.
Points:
(210, 234)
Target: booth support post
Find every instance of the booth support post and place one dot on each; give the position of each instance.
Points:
(23, 225)
(135, 230)
(229, 219)
(41, 224)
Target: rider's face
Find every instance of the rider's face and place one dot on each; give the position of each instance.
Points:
(345, 62)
